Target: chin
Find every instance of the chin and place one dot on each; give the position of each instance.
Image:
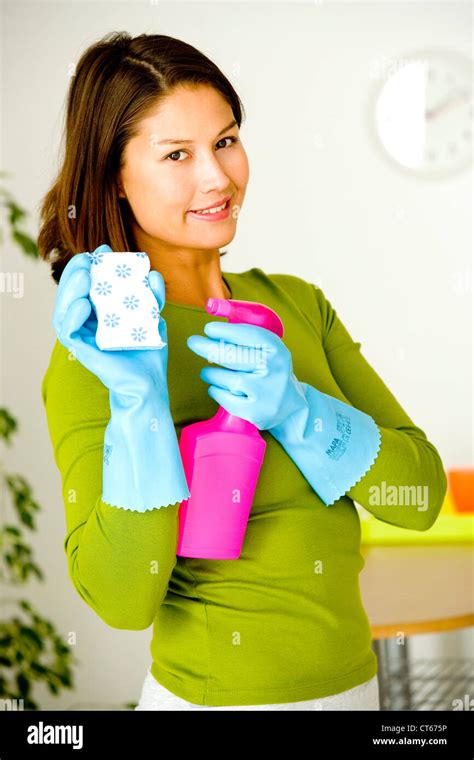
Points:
(216, 240)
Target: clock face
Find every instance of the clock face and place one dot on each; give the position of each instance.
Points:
(423, 113)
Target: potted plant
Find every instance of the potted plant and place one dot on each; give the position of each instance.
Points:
(31, 649)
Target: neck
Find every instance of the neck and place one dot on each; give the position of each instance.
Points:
(191, 275)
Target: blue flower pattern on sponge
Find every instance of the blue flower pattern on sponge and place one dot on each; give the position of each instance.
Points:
(131, 302)
(126, 307)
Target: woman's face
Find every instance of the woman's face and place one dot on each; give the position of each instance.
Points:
(163, 182)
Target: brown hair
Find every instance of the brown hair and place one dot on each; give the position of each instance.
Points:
(117, 81)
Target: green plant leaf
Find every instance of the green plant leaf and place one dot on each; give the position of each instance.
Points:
(16, 213)
(36, 570)
(23, 684)
(12, 530)
(21, 494)
(65, 680)
(26, 243)
(31, 634)
(8, 425)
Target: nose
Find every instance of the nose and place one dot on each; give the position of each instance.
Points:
(211, 174)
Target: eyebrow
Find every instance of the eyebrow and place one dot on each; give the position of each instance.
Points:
(163, 142)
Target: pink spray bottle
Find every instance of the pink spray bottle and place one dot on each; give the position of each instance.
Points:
(222, 458)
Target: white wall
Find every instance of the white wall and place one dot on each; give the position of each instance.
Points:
(385, 247)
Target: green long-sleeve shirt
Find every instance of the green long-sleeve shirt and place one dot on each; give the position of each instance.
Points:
(285, 621)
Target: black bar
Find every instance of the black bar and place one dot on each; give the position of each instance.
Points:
(142, 734)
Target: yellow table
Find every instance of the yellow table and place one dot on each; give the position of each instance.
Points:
(450, 527)
(415, 582)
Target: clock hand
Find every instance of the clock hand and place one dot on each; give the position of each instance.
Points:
(431, 113)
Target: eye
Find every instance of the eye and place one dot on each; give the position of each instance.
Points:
(177, 152)
(232, 139)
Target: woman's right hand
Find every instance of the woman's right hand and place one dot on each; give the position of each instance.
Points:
(134, 373)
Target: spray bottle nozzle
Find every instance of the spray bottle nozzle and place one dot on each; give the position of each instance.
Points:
(246, 312)
(219, 306)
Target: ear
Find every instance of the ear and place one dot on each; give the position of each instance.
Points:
(120, 189)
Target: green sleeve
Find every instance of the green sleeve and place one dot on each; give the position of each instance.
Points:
(407, 483)
(120, 561)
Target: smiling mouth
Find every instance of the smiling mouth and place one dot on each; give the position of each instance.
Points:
(214, 210)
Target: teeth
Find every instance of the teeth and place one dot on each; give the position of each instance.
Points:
(212, 210)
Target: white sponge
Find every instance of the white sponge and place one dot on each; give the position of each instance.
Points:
(126, 307)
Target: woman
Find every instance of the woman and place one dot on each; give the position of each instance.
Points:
(152, 139)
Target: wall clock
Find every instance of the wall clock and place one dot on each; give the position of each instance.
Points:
(422, 113)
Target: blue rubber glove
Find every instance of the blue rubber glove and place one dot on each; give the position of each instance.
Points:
(332, 443)
(142, 466)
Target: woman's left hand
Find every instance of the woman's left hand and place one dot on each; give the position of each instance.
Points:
(258, 383)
